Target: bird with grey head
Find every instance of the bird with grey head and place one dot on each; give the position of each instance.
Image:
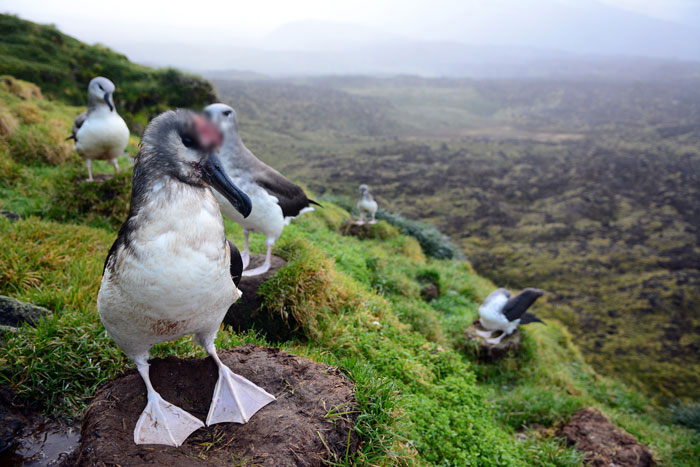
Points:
(100, 133)
(276, 199)
(171, 263)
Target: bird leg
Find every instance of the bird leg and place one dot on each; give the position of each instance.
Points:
(496, 340)
(245, 256)
(362, 218)
(266, 265)
(116, 165)
(484, 334)
(88, 162)
(161, 422)
(373, 220)
(235, 398)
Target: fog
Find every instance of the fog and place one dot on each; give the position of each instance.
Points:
(431, 38)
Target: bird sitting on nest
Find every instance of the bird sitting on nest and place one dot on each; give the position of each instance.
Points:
(171, 272)
(366, 205)
(503, 312)
(276, 199)
(100, 133)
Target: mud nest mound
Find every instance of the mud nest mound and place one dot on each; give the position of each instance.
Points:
(379, 230)
(603, 443)
(299, 428)
(477, 345)
(248, 312)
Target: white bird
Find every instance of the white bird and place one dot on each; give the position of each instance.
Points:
(275, 199)
(501, 312)
(366, 205)
(169, 273)
(100, 133)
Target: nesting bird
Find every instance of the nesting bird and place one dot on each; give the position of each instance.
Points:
(100, 133)
(169, 273)
(275, 198)
(366, 205)
(503, 312)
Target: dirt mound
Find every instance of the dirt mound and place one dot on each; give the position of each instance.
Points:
(477, 345)
(605, 444)
(379, 230)
(301, 428)
(248, 313)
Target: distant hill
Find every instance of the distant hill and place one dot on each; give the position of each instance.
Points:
(62, 66)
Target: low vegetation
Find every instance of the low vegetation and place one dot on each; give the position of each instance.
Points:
(586, 189)
(63, 66)
(355, 303)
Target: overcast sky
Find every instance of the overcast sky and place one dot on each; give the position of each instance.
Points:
(246, 22)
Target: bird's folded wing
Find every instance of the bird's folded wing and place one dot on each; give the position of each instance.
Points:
(290, 196)
(518, 305)
(77, 123)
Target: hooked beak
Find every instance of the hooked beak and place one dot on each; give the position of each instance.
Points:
(215, 176)
(108, 100)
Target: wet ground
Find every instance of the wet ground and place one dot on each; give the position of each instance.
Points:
(41, 444)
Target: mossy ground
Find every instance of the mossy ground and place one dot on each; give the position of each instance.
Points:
(356, 304)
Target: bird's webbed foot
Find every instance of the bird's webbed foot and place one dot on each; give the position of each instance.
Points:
(164, 423)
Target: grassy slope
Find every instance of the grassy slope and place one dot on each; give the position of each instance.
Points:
(588, 189)
(63, 66)
(357, 306)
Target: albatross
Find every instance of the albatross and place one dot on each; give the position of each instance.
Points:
(275, 198)
(366, 205)
(503, 312)
(169, 272)
(100, 133)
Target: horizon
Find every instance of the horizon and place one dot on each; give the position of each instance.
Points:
(443, 38)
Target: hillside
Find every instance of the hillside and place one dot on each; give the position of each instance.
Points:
(587, 188)
(63, 67)
(423, 399)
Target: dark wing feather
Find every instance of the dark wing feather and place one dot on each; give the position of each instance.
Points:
(518, 305)
(236, 263)
(528, 318)
(292, 198)
(79, 120)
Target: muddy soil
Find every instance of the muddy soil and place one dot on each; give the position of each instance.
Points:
(311, 421)
(603, 443)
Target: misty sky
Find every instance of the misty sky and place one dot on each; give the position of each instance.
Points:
(425, 37)
(247, 22)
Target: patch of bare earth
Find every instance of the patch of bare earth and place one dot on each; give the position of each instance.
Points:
(604, 444)
(310, 423)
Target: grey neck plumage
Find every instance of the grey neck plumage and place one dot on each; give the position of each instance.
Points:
(95, 103)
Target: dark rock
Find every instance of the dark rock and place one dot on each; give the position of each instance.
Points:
(293, 430)
(430, 292)
(248, 312)
(15, 312)
(603, 443)
(477, 345)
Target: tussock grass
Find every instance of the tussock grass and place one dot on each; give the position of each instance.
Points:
(357, 305)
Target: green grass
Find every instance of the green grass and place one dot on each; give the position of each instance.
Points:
(63, 66)
(354, 303)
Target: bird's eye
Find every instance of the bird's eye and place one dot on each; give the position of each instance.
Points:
(100, 86)
(227, 113)
(187, 141)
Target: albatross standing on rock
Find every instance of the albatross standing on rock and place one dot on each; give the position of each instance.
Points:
(100, 133)
(169, 273)
(275, 198)
(366, 205)
(502, 312)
